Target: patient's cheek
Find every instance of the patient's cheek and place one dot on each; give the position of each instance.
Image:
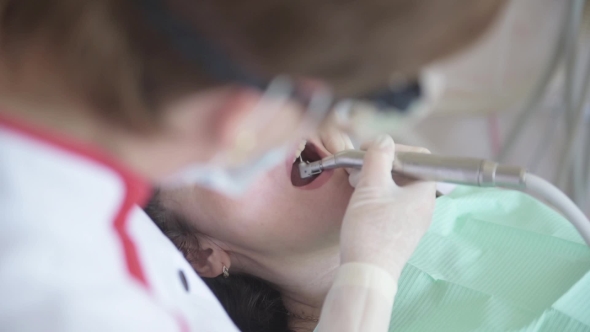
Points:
(278, 215)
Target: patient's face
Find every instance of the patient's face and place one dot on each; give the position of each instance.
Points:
(275, 215)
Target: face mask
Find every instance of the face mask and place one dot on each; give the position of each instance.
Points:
(234, 181)
(231, 182)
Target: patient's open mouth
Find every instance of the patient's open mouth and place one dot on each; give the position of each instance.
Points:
(309, 154)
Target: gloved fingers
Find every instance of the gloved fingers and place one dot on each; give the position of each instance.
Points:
(347, 141)
(376, 171)
(354, 176)
(402, 180)
(335, 140)
(398, 147)
(351, 171)
(383, 222)
(410, 148)
(365, 145)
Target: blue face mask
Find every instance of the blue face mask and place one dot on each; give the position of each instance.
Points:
(232, 182)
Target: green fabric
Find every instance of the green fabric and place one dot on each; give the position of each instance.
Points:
(495, 260)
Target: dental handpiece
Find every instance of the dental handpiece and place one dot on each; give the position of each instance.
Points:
(466, 171)
(430, 167)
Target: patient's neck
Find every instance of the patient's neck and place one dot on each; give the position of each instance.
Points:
(303, 281)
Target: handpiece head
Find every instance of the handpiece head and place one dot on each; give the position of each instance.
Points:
(307, 170)
(346, 158)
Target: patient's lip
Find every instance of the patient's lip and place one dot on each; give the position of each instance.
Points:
(335, 140)
(321, 150)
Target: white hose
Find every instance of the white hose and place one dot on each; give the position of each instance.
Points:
(543, 189)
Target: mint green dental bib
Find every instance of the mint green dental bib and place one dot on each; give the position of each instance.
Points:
(495, 260)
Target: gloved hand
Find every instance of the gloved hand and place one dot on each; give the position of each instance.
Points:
(385, 221)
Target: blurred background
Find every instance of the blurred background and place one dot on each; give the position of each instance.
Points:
(518, 95)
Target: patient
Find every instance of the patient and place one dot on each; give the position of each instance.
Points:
(477, 268)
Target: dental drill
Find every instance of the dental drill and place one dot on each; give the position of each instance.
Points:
(464, 171)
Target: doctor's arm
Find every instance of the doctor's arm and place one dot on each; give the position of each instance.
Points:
(381, 229)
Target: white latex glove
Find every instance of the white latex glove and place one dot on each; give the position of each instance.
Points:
(384, 221)
(354, 174)
(383, 224)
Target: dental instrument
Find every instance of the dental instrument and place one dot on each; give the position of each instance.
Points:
(460, 170)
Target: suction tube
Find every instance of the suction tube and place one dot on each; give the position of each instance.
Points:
(465, 171)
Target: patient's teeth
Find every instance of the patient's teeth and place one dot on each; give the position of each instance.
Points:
(297, 154)
(302, 145)
(300, 149)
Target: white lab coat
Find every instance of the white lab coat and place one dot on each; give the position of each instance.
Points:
(77, 254)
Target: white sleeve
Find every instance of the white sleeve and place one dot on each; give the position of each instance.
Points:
(44, 294)
(361, 299)
(79, 281)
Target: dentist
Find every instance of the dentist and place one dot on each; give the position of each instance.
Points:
(98, 99)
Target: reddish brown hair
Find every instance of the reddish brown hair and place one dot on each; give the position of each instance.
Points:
(103, 53)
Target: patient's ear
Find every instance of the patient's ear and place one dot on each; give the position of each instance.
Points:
(209, 259)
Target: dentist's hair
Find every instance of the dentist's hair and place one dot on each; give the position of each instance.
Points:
(104, 54)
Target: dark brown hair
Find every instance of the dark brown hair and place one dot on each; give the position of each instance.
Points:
(252, 303)
(104, 54)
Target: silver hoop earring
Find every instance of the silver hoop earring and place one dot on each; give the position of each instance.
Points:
(225, 272)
